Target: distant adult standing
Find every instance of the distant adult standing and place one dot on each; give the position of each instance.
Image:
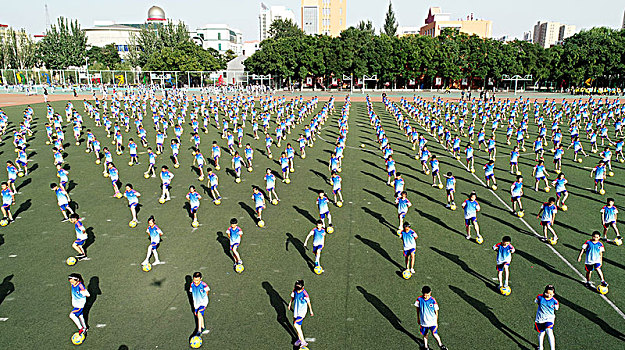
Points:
(45, 95)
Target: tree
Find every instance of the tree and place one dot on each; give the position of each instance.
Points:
(185, 56)
(17, 50)
(64, 45)
(390, 23)
(107, 55)
(153, 38)
(281, 28)
(366, 26)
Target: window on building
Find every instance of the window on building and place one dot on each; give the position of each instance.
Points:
(219, 38)
(219, 46)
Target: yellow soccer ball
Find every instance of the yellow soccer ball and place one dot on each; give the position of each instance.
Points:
(78, 338)
(132, 224)
(330, 229)
(494, 187)
(602, 191)
(105, 174)
(303, 156)
(472, 170)
(47, 142)
(340, 170)
(147, 267)
(611, 174)
(564, 207)
(86, 151)
(621, 160)
(118, 195)
(524, 149)
(146, 175)
(119, 153)
(4, 222)
(602, 289)
(553, 241)
(440, 186)
(579, 160)
(270, 156)
(261, 223)
(130, 163)
(71, 261)
(195, 342)
(201, 178)
(217, 167)
(195, 224)
(287, 181)
(362, 145)
(161, 200)
(158, 152)
(479, 240)
(521, 214)
(20, 174)
(176, 165)
(618, 241)
(457, 157)
(239, 268)
(339, 204)
(453, 207)
(77, 143)
(274, 201)
(406, 274)
(427, 172)
(250, 169)
(547, 189)
(97, 161)
(237, 180)
(505, 290)
(318, 270)
(217, 202)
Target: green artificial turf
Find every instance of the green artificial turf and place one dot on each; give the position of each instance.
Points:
(360, 301)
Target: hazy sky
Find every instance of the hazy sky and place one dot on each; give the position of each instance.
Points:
(509, 17)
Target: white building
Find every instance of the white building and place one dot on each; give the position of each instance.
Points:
(219, 37)
(250, 47)
(270, 14)
(547, 34)
(403, 31)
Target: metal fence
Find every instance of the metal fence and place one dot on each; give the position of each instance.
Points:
(72, 77)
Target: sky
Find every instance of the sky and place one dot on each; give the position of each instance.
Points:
(510, 18)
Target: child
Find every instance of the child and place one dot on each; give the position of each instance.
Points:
(12, 175)
(403, 204)
(270, 186)
(199, 291)
(514, 160)
(237, 163)
(166, 177)
(79, 299)
(561, 193)
(234, 233)
(81, 237)
(489, 174)
(259, 202)
(324, 209)
(213, 182)
(318, 233)
(62, 198)
(133, 201)
(408, 237)
(390, 169)
(284, 165)
(516, 192)
(62, 175)
(155, 239)
(471, 207)
(547, 215)
(175, 149)
(599, 172)
(114, 176)
(608, 219)
(194, 201)
(450, 188)
(435, 172)
(470, 159)
(199, 158)
(216, 153)
(336, 188)
(545, 316)
(594, 258)
(300, 304)
(504, 256)
(132, 147)
(8, 199)
(540, 173)
(249, 155)
(427, 317)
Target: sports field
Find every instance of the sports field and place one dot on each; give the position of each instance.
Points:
(360, 301)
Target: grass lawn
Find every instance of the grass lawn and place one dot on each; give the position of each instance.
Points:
(360, 301)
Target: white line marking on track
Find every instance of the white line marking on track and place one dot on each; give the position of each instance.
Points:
(100, 325)
(3, 319)
(13, 256)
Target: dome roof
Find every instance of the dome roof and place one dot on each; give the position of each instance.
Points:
(156, 12)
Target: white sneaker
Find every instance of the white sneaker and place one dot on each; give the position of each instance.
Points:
(411, 270)
(145, 262)
(157, 262)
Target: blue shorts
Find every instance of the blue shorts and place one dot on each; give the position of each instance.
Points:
(391, 173)
(194, 209)
(514, 163)
(336, 191)
(561, 193)
(490, 176)
(501, 266)
(323, 216)
(425, 330)
(538, 178)
(234, 245)
(541, 327)
(200, 310)
(79, 242)
(19, 162)
(401, 215)
(11, 181)
(468, 222)
(154, 245)
(598, 181)
(545, 223)
(434, 172)
(114, 182)
(213, 187)
(317, 247)
(77, 311)
(515, 198)
(593, 267)
(298, 320)
(409, 251)
(132, 205)
(6, 206)
(260, 208)
(64, 206)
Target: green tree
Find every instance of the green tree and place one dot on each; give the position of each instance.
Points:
(106, 55)
(390, 23)
(281, 28)
(64, 45)
(185, 56)
(17, 50)
(366, 26)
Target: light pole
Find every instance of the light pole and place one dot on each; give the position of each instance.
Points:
(87, 71)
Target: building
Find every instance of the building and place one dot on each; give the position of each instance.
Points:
(547, 34)
(109, 32)
(623, 27)
(325, 17)
(219, 37)
(250, 47)
(436, 21)
(269, 14)
(403, 31)
(527, 36)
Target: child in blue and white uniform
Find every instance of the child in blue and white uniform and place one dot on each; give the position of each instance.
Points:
(318, 233)
(504, 256)
(155, 234)
(546, 316)
(300, 304)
